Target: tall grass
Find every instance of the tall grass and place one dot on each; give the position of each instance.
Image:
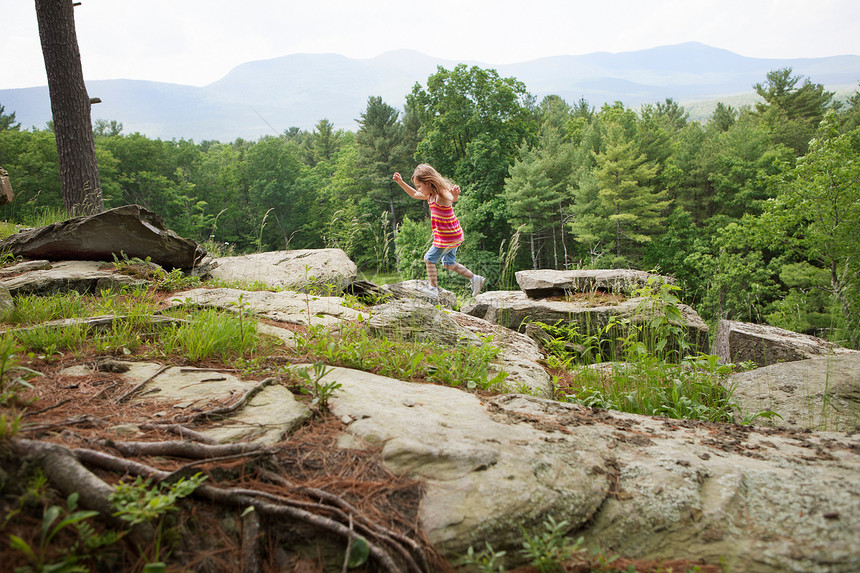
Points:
(212, 334)
(649, 370)
(353, 346)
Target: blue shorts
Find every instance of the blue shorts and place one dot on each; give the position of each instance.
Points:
(447, 254)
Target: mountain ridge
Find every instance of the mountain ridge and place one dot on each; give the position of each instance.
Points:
(266, 97)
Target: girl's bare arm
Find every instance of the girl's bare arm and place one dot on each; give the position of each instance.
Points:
(406, 187)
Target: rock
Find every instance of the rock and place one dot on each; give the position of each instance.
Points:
(265, 419)
(284, 306)
(130, 230)
(518, 355)
(327, 271)
(66, 276)
(545, 283)
(737, 342)
(647, 488)
(413, 319)
(513, 309)
(25, 267)
(412, 289)
(816, 394)
(6, 300)
(99, 324)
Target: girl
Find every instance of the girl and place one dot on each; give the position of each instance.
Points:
(440, 195)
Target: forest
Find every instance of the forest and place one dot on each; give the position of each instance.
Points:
(755, 211)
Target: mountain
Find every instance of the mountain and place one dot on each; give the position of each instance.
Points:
(269, 96)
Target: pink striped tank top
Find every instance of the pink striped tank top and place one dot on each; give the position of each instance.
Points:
(446, 227)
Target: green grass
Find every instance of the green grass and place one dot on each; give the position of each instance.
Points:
(212, 334)
(353, 346)
(206, 335)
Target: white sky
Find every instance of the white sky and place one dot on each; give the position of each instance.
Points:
(196, 42)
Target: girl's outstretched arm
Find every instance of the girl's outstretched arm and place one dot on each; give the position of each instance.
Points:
(406, 187)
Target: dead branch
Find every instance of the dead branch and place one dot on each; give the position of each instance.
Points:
(224, 411)
(137, 388)
(181, 431)
(43, 410)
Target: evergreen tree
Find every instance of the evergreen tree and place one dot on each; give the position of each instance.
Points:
(792, 113)
(634, 208)
(531, 201)
(7, 122)
(383, 149)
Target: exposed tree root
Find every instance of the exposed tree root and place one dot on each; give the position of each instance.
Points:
(68, 475)
(182, 432)
(224, 411)
(183, 449)
(329, 515)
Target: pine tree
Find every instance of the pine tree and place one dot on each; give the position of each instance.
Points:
(633, 206)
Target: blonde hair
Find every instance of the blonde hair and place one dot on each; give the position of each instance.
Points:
(429, 176)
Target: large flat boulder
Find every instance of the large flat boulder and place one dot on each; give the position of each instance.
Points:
(66, 276)
(326, 271)
(760, 500)
(737, 342)
(817, 394)
(514, 309)
(412, 289)
(518, 356)
(282, 306)
(266, 418)
(130, 231)
(543, 283)
(414, 319)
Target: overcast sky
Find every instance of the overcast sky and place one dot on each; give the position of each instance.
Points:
(196, 42)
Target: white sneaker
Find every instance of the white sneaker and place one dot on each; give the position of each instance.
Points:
(477, 282)
(430, 291)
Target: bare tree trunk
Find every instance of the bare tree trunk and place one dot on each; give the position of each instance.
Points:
(532, 248)
(70, 107)
(394, 230)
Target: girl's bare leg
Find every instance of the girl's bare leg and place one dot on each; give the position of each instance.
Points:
(431, 272)
(459, 269)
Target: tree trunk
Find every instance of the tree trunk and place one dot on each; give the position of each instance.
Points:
(393, 230)
(70, 107)
(532, 248)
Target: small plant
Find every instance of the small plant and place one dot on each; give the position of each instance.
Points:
(466, 366)
(69, 517)
(11, 387)
(663, 328)
(176, 280)
(487, 560)
(321, 391)
(141, 501)
(549, 548)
